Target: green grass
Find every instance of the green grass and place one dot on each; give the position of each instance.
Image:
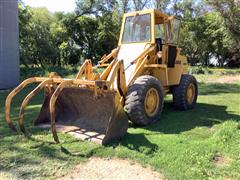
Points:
(213, 71)
(182, 145)
(66, 71)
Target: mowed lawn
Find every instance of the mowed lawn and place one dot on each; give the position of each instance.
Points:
(203, 143)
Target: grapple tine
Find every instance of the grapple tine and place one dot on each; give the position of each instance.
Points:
(52, 107)
(9, 100)
(26, 100)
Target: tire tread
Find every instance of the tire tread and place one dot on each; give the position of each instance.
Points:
(134, 104)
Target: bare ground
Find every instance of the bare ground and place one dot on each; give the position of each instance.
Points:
(97, 168)
(225, 79)
(221, 161)
(5, 175)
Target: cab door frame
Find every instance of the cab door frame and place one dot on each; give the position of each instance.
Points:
(172, 40)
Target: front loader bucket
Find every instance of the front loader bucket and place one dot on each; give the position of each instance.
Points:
(80, 113)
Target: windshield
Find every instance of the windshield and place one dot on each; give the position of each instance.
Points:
(137, 29)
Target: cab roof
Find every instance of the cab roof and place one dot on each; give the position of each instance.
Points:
(156, 12)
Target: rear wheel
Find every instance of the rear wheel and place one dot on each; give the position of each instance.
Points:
(185, 94)
(144, 101)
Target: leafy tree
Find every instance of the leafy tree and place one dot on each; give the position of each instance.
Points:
(108, 32)
(46, 51)
(124, 6)
(61, 39)
(209, 29)
(139, 4)
(25, 34)
(230, 11)
(83, 33)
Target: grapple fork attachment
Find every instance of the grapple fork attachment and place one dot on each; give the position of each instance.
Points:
(26, 100)
(78, 112)
(12, 95)
(52, 107)
(88, 107)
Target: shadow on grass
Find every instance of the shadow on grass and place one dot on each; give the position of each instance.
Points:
(204, 115)
(29, 117)
(137, 142)
(23, 161)
(176, 122)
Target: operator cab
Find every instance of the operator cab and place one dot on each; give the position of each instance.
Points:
(167, 36)
(142, 28)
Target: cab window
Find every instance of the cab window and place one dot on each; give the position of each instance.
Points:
(174, 33)
(137, 29)
(159, 30)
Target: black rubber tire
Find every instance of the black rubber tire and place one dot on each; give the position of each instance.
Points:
(134, 104)
(180, 93)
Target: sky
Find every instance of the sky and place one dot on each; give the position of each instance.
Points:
(53, 5)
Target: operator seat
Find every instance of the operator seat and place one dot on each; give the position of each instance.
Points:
(159, 49)
(159, 44)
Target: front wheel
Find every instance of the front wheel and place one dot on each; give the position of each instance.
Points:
(185, 94)
(144, 100)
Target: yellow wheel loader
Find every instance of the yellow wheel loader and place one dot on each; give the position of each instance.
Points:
(134, 78)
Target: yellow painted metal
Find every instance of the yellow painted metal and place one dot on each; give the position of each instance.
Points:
(52, 107)
(142, 60)
(103, 65)
(122, 86)
(148, 50)
(137, 13)
(26, 100)
(117, 72)
(153, 33)
(9, 100)
(191, 92)
(156, 66)
(106, 72)
(151, 102)
(105, 58)
(139, 70)
(174, 74)
(82, 69)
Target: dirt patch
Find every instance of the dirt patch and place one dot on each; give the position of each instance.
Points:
(220, 161)
(6, 176)
(97, 168)
(225, 79)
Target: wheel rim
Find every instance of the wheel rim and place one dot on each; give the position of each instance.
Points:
(191, 91)
(151, 103)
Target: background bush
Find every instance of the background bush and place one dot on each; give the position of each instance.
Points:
(210, 30)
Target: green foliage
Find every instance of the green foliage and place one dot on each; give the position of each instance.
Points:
(83, 35)
(66, 71)
(108, 31)
(36, 41)
(200, 70)
(230, 11)
(210, 30)
(25, 35)
(216, 72)
(205, 37)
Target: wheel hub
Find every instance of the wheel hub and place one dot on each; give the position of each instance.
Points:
(191, 93)
(151, 102)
